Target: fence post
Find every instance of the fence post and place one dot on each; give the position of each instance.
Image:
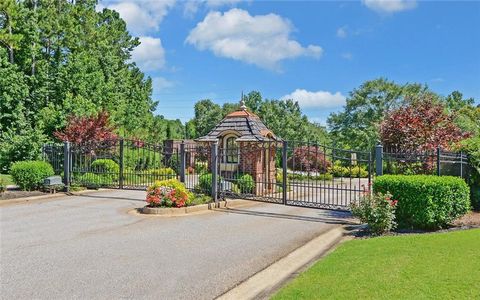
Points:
(66, 165)
(121, 164)
(461, 164)
(284, 172)
(182, 162)
(379, 159)
(369, 167)
(438, 161)
(214, 168)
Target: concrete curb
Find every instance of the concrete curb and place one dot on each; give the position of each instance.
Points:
(50, 196)
(172, 211)
(264, 283)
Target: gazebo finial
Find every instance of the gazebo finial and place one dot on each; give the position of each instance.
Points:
(242, 103)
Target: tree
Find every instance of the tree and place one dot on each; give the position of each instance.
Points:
(356, 127)
(284, 118)
(63, 58)
(420, 126)
(91, 129)
(207, 115)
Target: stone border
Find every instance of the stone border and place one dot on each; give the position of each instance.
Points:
(266, 282)
(173, 211)
(50, 196)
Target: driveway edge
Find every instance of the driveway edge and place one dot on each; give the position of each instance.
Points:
(49, 196)
(264, 283)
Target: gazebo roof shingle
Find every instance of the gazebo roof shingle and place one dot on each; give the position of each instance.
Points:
(245, 124)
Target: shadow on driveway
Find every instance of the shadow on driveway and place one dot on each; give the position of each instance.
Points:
(329, 217)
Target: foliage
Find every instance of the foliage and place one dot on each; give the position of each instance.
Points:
(356, 127)
(207, 115)
(64, 58)
(246, 184)
(411, 266)
(168, 193)
(468, 118)
(420, 126)
(284, 118)
(425, 201)
(205, 183)
(18, 144)
(93, 180)
(201, 167)
(162, 173)
(29, 175)
(302, 177)
(106, 168)
(201, 199)
(3, 186)
(337, 170)
(88, 129)
(309, 159)
(377, 210)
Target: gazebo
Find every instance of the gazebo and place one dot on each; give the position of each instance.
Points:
(246, 146)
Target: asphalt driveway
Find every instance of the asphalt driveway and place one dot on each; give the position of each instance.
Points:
(91, 247)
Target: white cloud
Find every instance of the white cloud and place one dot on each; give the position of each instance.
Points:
(342, 32)
(347, 55)
(149, 55)
(141, 16)
(191, 7)
(161, 83)
(263, 40)
(390, 6)
(319, 99)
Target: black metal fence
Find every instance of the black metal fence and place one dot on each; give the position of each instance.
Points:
(291, 173)
(434, 162)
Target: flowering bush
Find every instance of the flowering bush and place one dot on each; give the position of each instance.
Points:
(377, 210)
(168, 193)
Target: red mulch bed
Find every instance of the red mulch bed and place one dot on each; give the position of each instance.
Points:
(471, 219)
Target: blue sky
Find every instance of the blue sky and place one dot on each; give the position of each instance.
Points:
(315, 51)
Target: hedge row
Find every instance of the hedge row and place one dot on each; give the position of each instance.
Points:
(425, 202)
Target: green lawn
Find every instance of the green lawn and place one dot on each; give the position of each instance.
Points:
(420, 266)
(7, 179)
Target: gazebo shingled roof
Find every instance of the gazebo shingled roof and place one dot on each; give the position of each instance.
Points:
(246, 124)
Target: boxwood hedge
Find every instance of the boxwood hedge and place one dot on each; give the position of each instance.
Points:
(29, 175)
(425, 201)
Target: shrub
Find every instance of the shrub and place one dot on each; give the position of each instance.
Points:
(92, 180)
(205, 183)
(309, 158)
(107, 168)
(425, 201)
(201, 167)
(162, 173)
(168, 193)
(377, 210)
(246, 184)
(297, 176)
(338, 170)
(29, 174)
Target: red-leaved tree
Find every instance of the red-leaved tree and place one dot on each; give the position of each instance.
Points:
(91, 129)
(420, 126)
(309, 159)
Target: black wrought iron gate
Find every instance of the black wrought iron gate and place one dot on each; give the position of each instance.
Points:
(290, 173)
(294, 173)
